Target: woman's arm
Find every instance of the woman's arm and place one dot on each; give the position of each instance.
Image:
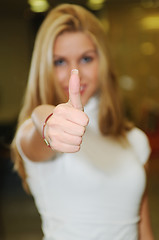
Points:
(30, 135)
(63, 131)
(145, 229)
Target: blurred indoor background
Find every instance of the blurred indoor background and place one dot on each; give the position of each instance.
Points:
(133, 32)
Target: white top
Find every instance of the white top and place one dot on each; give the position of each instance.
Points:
(94, 194)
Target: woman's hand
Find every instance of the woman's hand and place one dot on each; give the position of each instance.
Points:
(64, 130)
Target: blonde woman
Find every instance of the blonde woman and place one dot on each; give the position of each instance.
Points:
(78, 156)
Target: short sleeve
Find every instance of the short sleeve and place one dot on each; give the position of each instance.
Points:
(140, 143)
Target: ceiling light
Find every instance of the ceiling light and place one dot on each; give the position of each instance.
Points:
(150, 22)
(39, 5)
(127, 83)
(95, 4)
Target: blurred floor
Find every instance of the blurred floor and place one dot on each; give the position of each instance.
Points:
(19, 219)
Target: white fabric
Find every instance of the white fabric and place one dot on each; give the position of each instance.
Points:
(94, 194)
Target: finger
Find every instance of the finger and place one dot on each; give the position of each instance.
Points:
(67, 139)
(64, 147)
(59, 126)
(74, 90)
(64, 111)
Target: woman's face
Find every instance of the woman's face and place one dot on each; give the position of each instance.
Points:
(76, 50)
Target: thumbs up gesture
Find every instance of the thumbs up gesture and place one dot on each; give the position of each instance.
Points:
(68, 124)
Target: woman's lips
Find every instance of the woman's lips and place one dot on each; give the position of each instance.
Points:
(82, 88)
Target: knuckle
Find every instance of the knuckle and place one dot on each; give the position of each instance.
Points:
(80, 140)
(60, 109)
(83, 129)
(86, 119)
(77, 148)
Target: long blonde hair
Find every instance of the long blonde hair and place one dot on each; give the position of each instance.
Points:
(42, 87)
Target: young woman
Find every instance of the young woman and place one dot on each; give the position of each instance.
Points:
(81, 160)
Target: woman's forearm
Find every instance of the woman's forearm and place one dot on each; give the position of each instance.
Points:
(30, 135)
(145, 230)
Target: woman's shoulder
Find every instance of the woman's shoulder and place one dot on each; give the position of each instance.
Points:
(137, 134)
(139, 141)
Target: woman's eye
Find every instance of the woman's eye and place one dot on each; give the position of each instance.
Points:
(86, 59)
(59, 62)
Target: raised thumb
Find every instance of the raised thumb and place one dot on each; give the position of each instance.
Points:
(74, 90)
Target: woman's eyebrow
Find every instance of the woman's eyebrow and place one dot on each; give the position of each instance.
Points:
(90, 51)
(57, 56)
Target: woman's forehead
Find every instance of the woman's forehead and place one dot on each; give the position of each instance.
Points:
(73, 41)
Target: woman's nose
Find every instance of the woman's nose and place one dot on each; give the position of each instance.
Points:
(74, 66)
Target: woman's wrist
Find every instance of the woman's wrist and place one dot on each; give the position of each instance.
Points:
(43, 130)
(39, 116)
